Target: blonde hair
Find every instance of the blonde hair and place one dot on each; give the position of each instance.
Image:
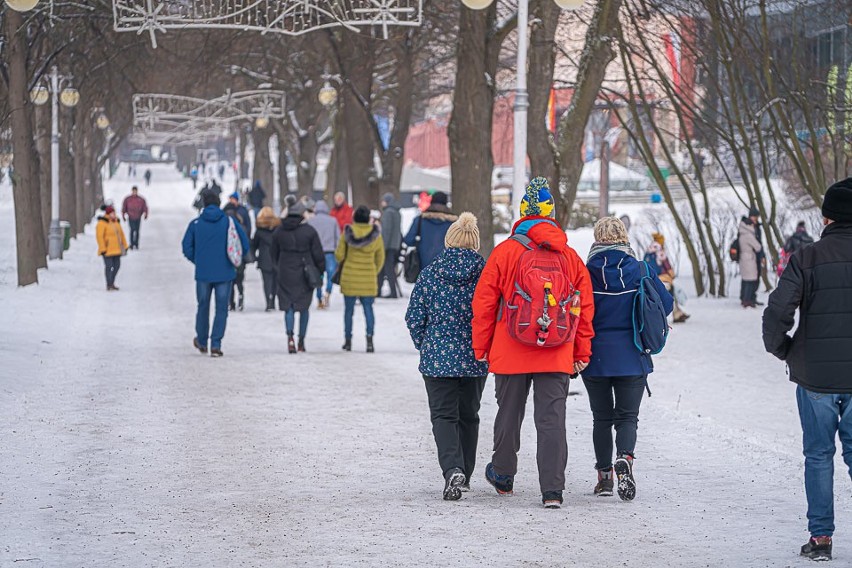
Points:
(267, 219)
(611, 230)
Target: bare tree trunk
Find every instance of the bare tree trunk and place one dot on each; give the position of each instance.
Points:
(336, 174)
(67, 195)
(393, 158)
(306, 169)
(596, 56)
(31, 253)
(262, 170)
(283, 180)
(83, 214)
(42, 140)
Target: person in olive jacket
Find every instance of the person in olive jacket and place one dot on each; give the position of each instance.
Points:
(439, 319)
(261, 246)
(362, 252)
(818, 283)
(295, 249)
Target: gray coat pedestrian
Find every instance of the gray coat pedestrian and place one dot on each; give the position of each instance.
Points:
(749, 247)
(326, 226)
(391, 223)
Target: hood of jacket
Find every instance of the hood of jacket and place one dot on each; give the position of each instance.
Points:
(746, 225)
(615, 271)
(439, 213)
(321, 208)
(543, 231)
(211, 214)
(359, 235)
(290, 222)
(458, 266)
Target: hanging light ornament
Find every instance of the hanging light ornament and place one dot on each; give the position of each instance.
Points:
(22, 5)
(102, 122)
(39, 95)
(261, 122)
(327, 95)
(69, 97)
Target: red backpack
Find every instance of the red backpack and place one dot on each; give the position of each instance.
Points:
(544, 308)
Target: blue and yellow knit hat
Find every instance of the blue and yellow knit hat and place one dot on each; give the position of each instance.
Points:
(538, 200)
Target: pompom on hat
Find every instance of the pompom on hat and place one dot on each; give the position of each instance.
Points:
(464, 233)
(538, 199)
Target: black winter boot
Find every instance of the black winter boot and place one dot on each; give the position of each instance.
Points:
(240, 303)
(291, 344)
(301, 344)
(347, 344)
(817, 548)
(370, 348)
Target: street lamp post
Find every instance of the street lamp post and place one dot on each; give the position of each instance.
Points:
(69, 98)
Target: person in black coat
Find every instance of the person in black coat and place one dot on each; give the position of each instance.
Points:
(296, 249)
(818, 282)
(240, 214)
(261, 246)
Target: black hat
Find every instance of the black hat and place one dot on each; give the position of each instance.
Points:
(753, 212)
(837, 203)
(362, 214)
(439, 198)
(209, 198)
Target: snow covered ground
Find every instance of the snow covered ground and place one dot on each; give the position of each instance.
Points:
(122, 446)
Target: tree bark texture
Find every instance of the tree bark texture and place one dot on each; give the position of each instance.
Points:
(41, 115)
(67, 195)
(262, 168)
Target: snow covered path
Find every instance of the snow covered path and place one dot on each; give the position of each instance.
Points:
(122, 446)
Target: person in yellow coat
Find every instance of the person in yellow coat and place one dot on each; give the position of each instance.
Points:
(111, 244)
(361, 251)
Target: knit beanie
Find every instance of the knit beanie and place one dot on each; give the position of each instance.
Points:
(440, 198)
(837, 203)
(537, 200)
(362, 214)
(464, 233)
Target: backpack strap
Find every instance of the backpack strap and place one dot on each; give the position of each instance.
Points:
(525, 241)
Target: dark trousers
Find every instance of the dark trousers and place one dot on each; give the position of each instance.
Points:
(238, 283)
(111, 266)
(270, 286)
(389, 272)
(134, 232)
(454, 410)
(615, 403)
(550, 392)
(748, 291)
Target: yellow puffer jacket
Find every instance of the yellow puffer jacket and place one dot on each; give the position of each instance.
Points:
(111, 241)
(363, 253)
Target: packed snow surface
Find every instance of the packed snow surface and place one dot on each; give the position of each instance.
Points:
(123, 446)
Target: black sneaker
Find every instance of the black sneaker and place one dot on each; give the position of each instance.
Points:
(216, 352)
(453, 484)
(605, 483)
(817, 548)
(197, 345)
(552, 499)
(504, 484)
(624, 472)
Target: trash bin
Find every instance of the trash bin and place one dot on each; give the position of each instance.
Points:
(66, 234)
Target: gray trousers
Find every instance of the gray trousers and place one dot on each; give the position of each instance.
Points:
(549, 393)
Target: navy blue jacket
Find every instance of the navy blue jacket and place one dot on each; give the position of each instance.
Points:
(205, 244)
(439, 315)
(433, 227)
(615, 280)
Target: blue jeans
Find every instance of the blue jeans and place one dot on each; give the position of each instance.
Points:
(349, 311)
(330, 267)
(823, 417)
(203, 291)
(290, 321)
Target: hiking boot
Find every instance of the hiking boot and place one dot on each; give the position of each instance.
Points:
(817, 548)
(552, 499)
(301, 344)
(624, 472)
(605, 483)
(504, 484)
(197, 345)
(291, 344)
(452, 485)
(347, 344)
(215, 352)
(370, 348)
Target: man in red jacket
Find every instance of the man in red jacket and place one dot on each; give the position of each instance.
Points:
(135, 208)
(341, 211)
(517, 366)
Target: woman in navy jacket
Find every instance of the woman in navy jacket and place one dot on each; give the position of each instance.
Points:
(439, 319)
(617, 373)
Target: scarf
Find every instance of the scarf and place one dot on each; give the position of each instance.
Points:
(598, 248)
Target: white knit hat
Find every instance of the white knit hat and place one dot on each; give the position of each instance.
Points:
(464, 233)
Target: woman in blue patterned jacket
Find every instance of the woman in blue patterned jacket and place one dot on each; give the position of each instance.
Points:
(439, 320)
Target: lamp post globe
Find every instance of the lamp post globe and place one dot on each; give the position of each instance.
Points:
(477, 4)
(39, 95)
(327, 95)
(69, 97)
(22, 5)
(261, 122)
(102, 122)
(570, 4)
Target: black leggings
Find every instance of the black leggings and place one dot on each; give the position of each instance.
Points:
(270, 286)
(111, 266)
(622, 412)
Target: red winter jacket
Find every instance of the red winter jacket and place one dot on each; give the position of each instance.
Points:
(343, 214)
(134, 207)
(507, 356)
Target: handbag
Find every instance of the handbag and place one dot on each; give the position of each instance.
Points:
(312, 275)
(234, 246)
(411, 265)
(338, 272)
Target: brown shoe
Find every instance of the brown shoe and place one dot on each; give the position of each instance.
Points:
(197, 345)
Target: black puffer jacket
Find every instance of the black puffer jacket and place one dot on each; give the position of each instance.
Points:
(261, 246)
(817, 281)
(295, 244)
